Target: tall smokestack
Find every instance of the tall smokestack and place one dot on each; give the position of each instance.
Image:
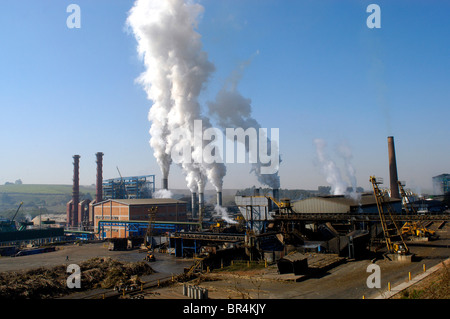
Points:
(165, 183)
(393, 169)
(75, 190)
(99, 186)
(194, 204)
(219, 198)
(201, 201)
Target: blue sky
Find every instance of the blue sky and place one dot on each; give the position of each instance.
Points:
(319, 73)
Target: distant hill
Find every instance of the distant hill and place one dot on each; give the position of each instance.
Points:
(43, 189)
(43, 198)
(37, 199)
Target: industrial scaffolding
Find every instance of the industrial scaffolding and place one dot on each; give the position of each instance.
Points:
(129, 187)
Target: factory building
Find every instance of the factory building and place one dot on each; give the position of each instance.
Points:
(136, 209)
(341, 204)
(256, 210)
(441, 184)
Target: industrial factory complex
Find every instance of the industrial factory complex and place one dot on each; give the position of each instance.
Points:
(269, 151)
(294, 238)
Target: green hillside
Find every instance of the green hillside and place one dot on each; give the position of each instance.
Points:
(38, 198)
(43, 189)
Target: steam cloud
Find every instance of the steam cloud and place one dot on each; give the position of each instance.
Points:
(231, 109)
(176, 71)
(223, 213)
(163, 193)
(332, 173)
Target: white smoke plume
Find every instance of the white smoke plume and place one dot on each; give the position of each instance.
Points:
(232, 110)
(222, 213)
(176, 70)
(332, 173)
(345, 152)
(329, 169)
(162, 193)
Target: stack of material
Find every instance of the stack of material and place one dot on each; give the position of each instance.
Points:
(322, 262)
(296, 263)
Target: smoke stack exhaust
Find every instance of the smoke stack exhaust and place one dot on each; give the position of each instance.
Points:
(165, 183)
(194, 204)
(99, 186)
(73, 221)
(201, 201)
(393, 169)
(219, 199)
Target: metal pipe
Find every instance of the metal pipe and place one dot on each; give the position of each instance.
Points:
(201, 203)
(194, 204)
(219, 198)
(165, 183)
(99, 186)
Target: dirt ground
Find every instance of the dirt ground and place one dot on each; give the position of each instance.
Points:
(434, 286)
(345, 281)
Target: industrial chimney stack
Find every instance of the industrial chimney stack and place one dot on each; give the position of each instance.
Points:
(73, 221)
(219, 199)
(201, 202)
(165, 183)
(194, 204)
(99, 186)
(393, 169)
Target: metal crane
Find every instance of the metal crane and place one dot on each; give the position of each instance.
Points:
(21, 203)
(122, 183)
(392, 234)
(284, 204)
(148, 235)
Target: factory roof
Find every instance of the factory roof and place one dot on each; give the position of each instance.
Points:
(144, 201)
(365, 199)
(337, 204)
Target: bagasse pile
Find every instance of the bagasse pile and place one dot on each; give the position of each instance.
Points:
(44, 283)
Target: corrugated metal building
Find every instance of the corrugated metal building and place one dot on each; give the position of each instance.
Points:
(137, 209)
(255, 210)
(341, 204)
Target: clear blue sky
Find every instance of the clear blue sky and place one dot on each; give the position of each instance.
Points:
(320, 73)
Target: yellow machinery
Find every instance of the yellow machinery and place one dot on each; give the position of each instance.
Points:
(283, 204)
(218, 226)
(392, 234)
(147, 237)
(412, 228)
(149, 257)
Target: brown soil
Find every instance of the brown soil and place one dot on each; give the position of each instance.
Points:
(44, 283)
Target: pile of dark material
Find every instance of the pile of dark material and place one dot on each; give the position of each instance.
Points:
(45, 283)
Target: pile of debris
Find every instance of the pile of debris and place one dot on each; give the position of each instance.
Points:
(45, 283)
